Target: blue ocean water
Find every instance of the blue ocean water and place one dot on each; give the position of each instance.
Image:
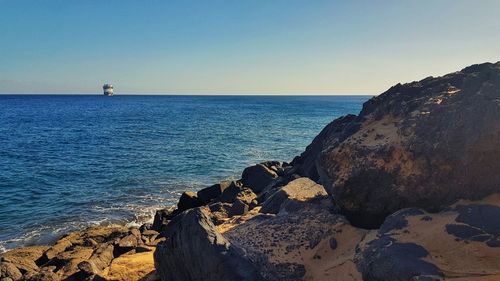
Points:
(72, 161)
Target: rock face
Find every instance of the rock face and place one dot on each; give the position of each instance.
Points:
(422, 144)
(305, 241)
(195, 250)
(461, 243)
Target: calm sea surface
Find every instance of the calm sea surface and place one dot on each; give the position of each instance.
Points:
(67, 162)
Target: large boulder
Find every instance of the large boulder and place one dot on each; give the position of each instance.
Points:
(306, 241)
(259, 176)
(302, 189)
(100, 259)
(196, 251)
(188, 200)
(423, 144)
(22, 260)
(230, 192)
(212, 192)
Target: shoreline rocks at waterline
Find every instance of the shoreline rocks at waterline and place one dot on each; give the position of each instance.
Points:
(406, 190)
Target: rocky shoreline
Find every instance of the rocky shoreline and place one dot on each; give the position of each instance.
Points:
(408, 189)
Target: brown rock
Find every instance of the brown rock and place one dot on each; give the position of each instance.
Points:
(302, 189)
(60, 246)
(45, 274)
(100, 259)
(71, 259)
(24, 258)
(8, 270)
(150, 233)
(423, 144)
(132, 267)
(126, 244)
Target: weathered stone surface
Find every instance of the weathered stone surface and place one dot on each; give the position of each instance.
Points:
(295, 245)
(259, 176)
(24, 259)
(302, 189)
(423, 144)
(414, 245)
(126, 244)
(45, 274)
(132, 267)
(60, 246)
(68, 261)
(246, 196)
(98, 234)
(332, 135)
(477, 222)
(100, 259)
(9, 270)
(196, 251)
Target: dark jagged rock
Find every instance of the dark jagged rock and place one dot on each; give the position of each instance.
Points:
(423, 144)
(259, 176)
(231, 192)
(212, 192)
(196, 251)
(188, 201)
(238, 208)
(162, 217)
(147, 226)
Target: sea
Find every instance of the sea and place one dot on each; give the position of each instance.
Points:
(73, 161)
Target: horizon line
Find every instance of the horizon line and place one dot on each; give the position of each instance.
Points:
(185, 94)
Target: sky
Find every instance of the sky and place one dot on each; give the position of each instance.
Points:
(239, 47)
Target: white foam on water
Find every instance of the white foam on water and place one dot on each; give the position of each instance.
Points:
(2, 248)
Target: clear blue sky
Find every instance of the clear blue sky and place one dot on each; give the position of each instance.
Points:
(239, 47)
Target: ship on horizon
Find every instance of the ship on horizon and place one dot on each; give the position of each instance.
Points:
(107, 89)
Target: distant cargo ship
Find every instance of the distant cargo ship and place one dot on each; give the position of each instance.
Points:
(108, 89)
